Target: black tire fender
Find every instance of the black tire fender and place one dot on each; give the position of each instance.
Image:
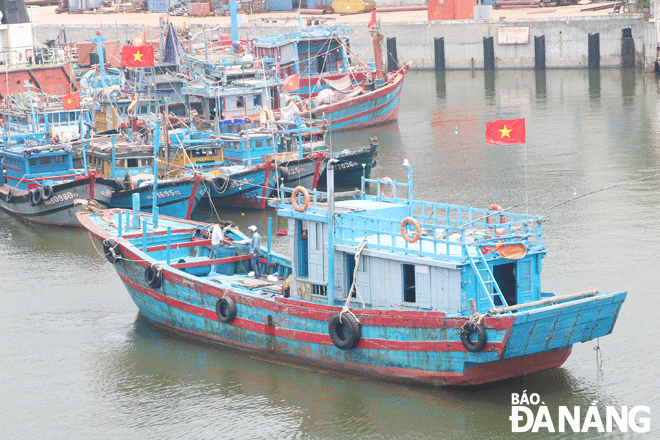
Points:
(153, 276)
(344, 331)
(111, 250)
(46, 192)
(35, 197)
(10, 195)
(225, 308)
(467, 330)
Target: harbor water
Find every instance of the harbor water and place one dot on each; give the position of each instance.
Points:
(78, 362)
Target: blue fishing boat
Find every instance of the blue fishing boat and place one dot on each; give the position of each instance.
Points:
(40, 185)
(132, 166)
(383, 286)
(229, 184)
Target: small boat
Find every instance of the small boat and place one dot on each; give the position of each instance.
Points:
(382, 286)
(40, 185)
(352, 165)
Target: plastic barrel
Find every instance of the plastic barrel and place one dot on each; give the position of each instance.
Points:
(226, 268)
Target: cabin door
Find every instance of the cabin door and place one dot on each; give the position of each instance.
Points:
(505, 276)
(361, 277)
(317, 273)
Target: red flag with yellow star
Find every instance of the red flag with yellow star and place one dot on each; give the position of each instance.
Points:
(137, 56)
(511, 131)
(292, 83)
(71, 101)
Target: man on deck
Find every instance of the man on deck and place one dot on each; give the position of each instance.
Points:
(255, 251)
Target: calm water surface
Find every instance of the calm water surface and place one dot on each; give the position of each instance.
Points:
(78, 362)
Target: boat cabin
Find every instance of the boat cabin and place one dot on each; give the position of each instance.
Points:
(54, 119)
(27, 167)
(245, 98)
(312, 53)
(122, 160)
(190, 150)
(393, 251)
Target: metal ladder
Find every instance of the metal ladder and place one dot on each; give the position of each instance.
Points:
(490, 295)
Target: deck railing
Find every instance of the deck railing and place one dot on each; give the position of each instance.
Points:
(446, 231)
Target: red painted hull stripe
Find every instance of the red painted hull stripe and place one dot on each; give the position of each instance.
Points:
(308, 337)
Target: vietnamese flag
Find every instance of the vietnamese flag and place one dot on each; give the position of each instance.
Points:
(137, 56)
(372, 21)
(71, 101)
(292, 83)
(511, 131)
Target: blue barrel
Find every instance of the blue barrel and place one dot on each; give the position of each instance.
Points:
(198, 271)
(225, 268)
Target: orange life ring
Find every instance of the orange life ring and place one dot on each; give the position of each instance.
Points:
(294, 198)
(418, 230)
(390, 184)
(495, 207)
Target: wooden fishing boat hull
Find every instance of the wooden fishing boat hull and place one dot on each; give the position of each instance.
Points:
(408, 346)
(352, 166)
(302, 172)
(366, 110)
(244, 189)
(61, 207)
(176, 198)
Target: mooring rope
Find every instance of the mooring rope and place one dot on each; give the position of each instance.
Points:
(358, 253)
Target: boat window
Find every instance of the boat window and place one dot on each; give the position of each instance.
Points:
(132, 163)
(55, 117)
(73, 116)
(240, 102)
(409, 294)
(257, 100)
(64, 117)
(44, 160)
(319, 290)
(59, 159)
(40, 118)
(147, 162)
(120, 163)
(32, 162)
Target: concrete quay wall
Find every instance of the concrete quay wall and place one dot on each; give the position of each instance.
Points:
(566, 40)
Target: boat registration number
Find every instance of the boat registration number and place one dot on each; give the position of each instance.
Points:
(69, 195)
(163, 194)
(348, 164)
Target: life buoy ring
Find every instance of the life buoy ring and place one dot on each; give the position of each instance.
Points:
(467, 330)
(111, 250)
(404, 233)
(386, 182)
(344, 331)
(495, 207)
(225, 309)
(153, 276)
(294, 198)
(46, 192)
(35, 197)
